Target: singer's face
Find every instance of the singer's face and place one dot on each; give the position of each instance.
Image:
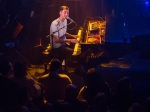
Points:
(64, 14)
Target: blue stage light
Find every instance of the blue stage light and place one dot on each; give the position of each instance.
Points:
(146, 3)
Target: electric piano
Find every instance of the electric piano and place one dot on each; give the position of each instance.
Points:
(92, 35)
(93, 44)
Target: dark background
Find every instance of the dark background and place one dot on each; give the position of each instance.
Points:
(135, 14)
(45, 11)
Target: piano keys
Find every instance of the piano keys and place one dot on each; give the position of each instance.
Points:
(77, 46)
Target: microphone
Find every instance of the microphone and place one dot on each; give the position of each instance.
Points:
(71, 19)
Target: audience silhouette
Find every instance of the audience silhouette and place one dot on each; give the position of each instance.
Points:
(55, 83)
(12, 96)
(20, 77)
(121, 100)
(71, 103)
(95, 84)
(55, 92)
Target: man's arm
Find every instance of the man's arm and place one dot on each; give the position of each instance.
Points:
(58, 40)
(54, 28)
(70, 35)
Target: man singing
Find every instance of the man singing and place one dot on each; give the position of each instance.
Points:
(58, 39)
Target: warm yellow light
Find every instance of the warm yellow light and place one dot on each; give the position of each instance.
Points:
(48, 47)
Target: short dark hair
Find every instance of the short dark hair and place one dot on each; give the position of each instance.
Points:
(64, 8)
(55, 65)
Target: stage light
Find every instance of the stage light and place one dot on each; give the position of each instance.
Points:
(146, 3)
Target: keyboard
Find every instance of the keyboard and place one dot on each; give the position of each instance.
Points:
(77, 48)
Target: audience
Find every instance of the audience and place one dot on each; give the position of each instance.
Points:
(55, 83)
(71, 103)
(20, 77)
(56, 93)
(135, 107)
(95, 84)
(121, 100)
(22, 99)
(12, 96)
(100, 103)
(33, 89)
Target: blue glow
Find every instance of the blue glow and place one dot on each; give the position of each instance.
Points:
(146, 3)
(124, 24)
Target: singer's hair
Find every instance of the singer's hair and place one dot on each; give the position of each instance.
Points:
(64, 8)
